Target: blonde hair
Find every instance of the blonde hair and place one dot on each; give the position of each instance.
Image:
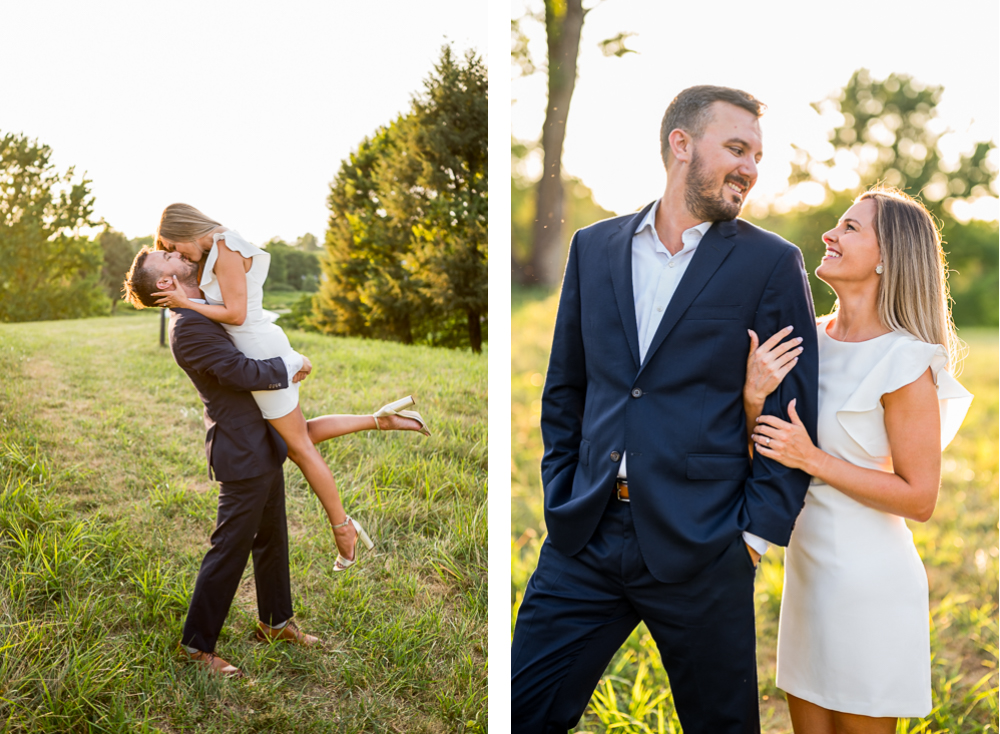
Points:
(182, 223)
(913, 288)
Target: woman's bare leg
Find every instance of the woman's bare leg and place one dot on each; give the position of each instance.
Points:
(295, 432)
(326, 427)
(857, 724)
(808, 718)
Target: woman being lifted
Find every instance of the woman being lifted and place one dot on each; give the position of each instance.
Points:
(232, 278)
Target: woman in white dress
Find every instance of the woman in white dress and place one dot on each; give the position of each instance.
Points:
(232, 279)
(853, 638)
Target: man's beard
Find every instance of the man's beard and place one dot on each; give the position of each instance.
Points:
(190, 278)
(702, 200)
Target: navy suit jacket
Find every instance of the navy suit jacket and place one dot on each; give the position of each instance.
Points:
(680, 413)
(239, 443)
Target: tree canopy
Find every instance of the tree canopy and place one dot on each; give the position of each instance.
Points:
(47, 269)
(118, 252)
(293, 267)
(888, 132)
(407, 240)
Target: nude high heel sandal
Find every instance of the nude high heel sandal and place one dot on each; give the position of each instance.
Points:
(396, 408)
(342, 563)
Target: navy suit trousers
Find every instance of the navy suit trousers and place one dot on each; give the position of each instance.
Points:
(578, 611)
(251, 520)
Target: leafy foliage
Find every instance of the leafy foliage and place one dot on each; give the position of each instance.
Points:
(438, 183)
(888, 133)
(292, 266)
(47, 270)
(118, 252)
(367, 291)
(406, 245)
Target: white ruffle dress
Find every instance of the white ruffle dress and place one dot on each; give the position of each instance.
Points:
(854, 634)
(257, 337)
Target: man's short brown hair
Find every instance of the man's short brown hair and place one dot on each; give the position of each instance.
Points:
(691, 111)
(140, 282)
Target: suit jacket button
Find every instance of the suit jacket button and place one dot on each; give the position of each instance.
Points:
(615, 456)
(636, 393)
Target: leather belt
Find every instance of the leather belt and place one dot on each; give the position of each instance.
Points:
(621, 489)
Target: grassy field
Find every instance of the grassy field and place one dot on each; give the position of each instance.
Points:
(958, 545)
(105, 514)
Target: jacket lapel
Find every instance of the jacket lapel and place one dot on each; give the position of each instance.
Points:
(620, 264)
(714, 247)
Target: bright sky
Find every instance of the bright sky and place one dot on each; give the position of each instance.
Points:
(785, 52)
(243, 109)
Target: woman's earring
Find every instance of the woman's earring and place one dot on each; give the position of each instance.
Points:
(879, 268)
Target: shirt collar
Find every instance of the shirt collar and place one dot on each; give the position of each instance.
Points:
(699, 230)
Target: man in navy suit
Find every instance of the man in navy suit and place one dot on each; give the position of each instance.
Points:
(245, 454)
(654, 511)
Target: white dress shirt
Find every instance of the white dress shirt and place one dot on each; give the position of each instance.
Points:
(655, 277)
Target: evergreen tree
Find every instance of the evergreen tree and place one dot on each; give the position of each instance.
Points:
(406, 248)
(368, 288)
(437, 186)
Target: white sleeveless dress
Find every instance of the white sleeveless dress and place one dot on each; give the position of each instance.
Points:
(854, 634)
(257, 337)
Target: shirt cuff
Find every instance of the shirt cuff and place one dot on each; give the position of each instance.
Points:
(293, 363)
(756, 542)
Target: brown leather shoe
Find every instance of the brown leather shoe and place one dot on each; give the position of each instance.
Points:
(214, 664)
(289, 633)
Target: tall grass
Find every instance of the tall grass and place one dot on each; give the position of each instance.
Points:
(959, 547)
(105, 512)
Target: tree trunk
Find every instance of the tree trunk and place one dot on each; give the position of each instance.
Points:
(475, 331)
(403, 330)
(563, 34)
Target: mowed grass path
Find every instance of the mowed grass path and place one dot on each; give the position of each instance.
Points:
(958, 545)
(106, 511)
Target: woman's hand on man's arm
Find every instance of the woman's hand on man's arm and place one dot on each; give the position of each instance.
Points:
(767, 365)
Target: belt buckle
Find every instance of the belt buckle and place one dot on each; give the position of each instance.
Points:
(618, 490)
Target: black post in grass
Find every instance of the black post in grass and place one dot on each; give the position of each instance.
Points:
(163, 327)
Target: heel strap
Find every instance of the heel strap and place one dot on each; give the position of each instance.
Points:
(343, 524)
(377, 426)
